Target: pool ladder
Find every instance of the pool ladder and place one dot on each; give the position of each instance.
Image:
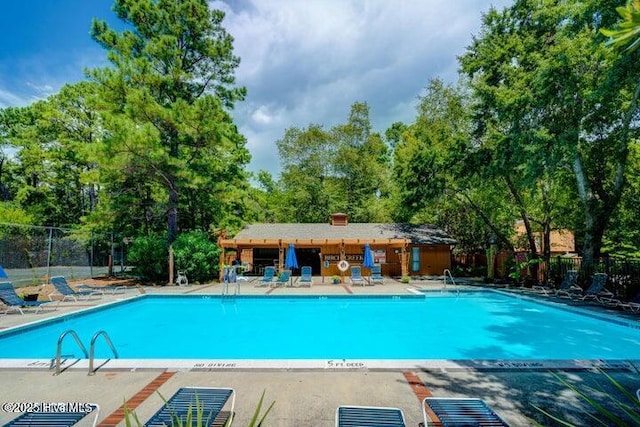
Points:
(230, 277)
(88, 355)
(444, 287)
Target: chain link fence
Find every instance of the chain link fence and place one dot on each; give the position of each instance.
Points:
(31, 255)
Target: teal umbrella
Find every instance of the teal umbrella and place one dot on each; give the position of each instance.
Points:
(367, 262)
(291, 261)
(368, 257)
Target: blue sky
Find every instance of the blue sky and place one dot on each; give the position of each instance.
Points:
(303, 62)
(46, 44)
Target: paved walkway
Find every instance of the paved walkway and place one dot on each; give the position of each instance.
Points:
(306, 397)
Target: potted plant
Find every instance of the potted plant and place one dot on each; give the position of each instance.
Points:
(335, 279)
(29, 297)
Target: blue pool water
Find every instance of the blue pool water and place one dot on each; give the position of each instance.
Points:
(477, 325)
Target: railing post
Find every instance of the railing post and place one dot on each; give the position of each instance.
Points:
(49, 254)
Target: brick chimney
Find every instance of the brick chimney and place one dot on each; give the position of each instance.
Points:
(339, 219)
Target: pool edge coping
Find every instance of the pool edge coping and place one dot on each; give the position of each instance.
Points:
(319, 364)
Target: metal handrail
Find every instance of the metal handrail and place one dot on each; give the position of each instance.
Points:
(447, 271)
(59, 348)
(92, 348)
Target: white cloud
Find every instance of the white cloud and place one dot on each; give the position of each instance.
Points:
(308, 62)
(305, 62)
(11, 99)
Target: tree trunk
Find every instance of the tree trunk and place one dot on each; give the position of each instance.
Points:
(172, 213)
(523, 214)
(546, 252)
(504, 239)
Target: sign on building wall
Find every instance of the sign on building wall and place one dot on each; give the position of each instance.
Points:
(379, 256)
(348, 257)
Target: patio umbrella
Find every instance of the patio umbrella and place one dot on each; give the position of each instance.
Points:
(367, 262)
(291, 261)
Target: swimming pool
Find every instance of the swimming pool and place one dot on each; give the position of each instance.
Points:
(468, 326)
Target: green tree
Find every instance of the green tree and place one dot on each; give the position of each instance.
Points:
(439, 170)
(345, 169)
(626, 34)
(166, 98)
(55, 140)
(361, 168)
(556, 97)
(307, 156)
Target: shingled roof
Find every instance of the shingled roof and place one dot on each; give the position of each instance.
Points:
(417, 234)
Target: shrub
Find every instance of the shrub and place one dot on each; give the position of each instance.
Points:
(197, 256)
(149, 256)
(620, 407)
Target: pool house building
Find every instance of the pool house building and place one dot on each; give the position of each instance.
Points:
(400, 249)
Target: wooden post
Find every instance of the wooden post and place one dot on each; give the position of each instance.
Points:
(221, 269)
(403, 262)
(170, 265)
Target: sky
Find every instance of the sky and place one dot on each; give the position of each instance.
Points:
(302, 61)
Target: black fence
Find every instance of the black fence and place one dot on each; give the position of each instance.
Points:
(623, 275)
(30, 255)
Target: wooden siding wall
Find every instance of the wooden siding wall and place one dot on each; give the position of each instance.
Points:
(433, 260)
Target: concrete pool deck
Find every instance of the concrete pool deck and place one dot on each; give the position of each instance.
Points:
(306, 397)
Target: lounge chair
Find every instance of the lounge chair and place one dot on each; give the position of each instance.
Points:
(568, 287)
(452, 411)
(306, 278)
(113, 289)
(596, 290)
(633, 306)
(376, 274)
(13, 301)
(3, 274)
(62, 288)
(267, 277)
(352, 416)
(190, 402)
(58, 419)
(356, 276)
(283, 279)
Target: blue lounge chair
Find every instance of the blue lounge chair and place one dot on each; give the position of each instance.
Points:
(306, 278)
(57, 419)
(188, 402)
(362, 416)
(3, 274)
(356, 276)
(376, 274)
(596, 291)
(62, 288)
(283, 278)
(13, 301)
(568, 287)
(113, 289)
(267, 277)
(459, 412)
